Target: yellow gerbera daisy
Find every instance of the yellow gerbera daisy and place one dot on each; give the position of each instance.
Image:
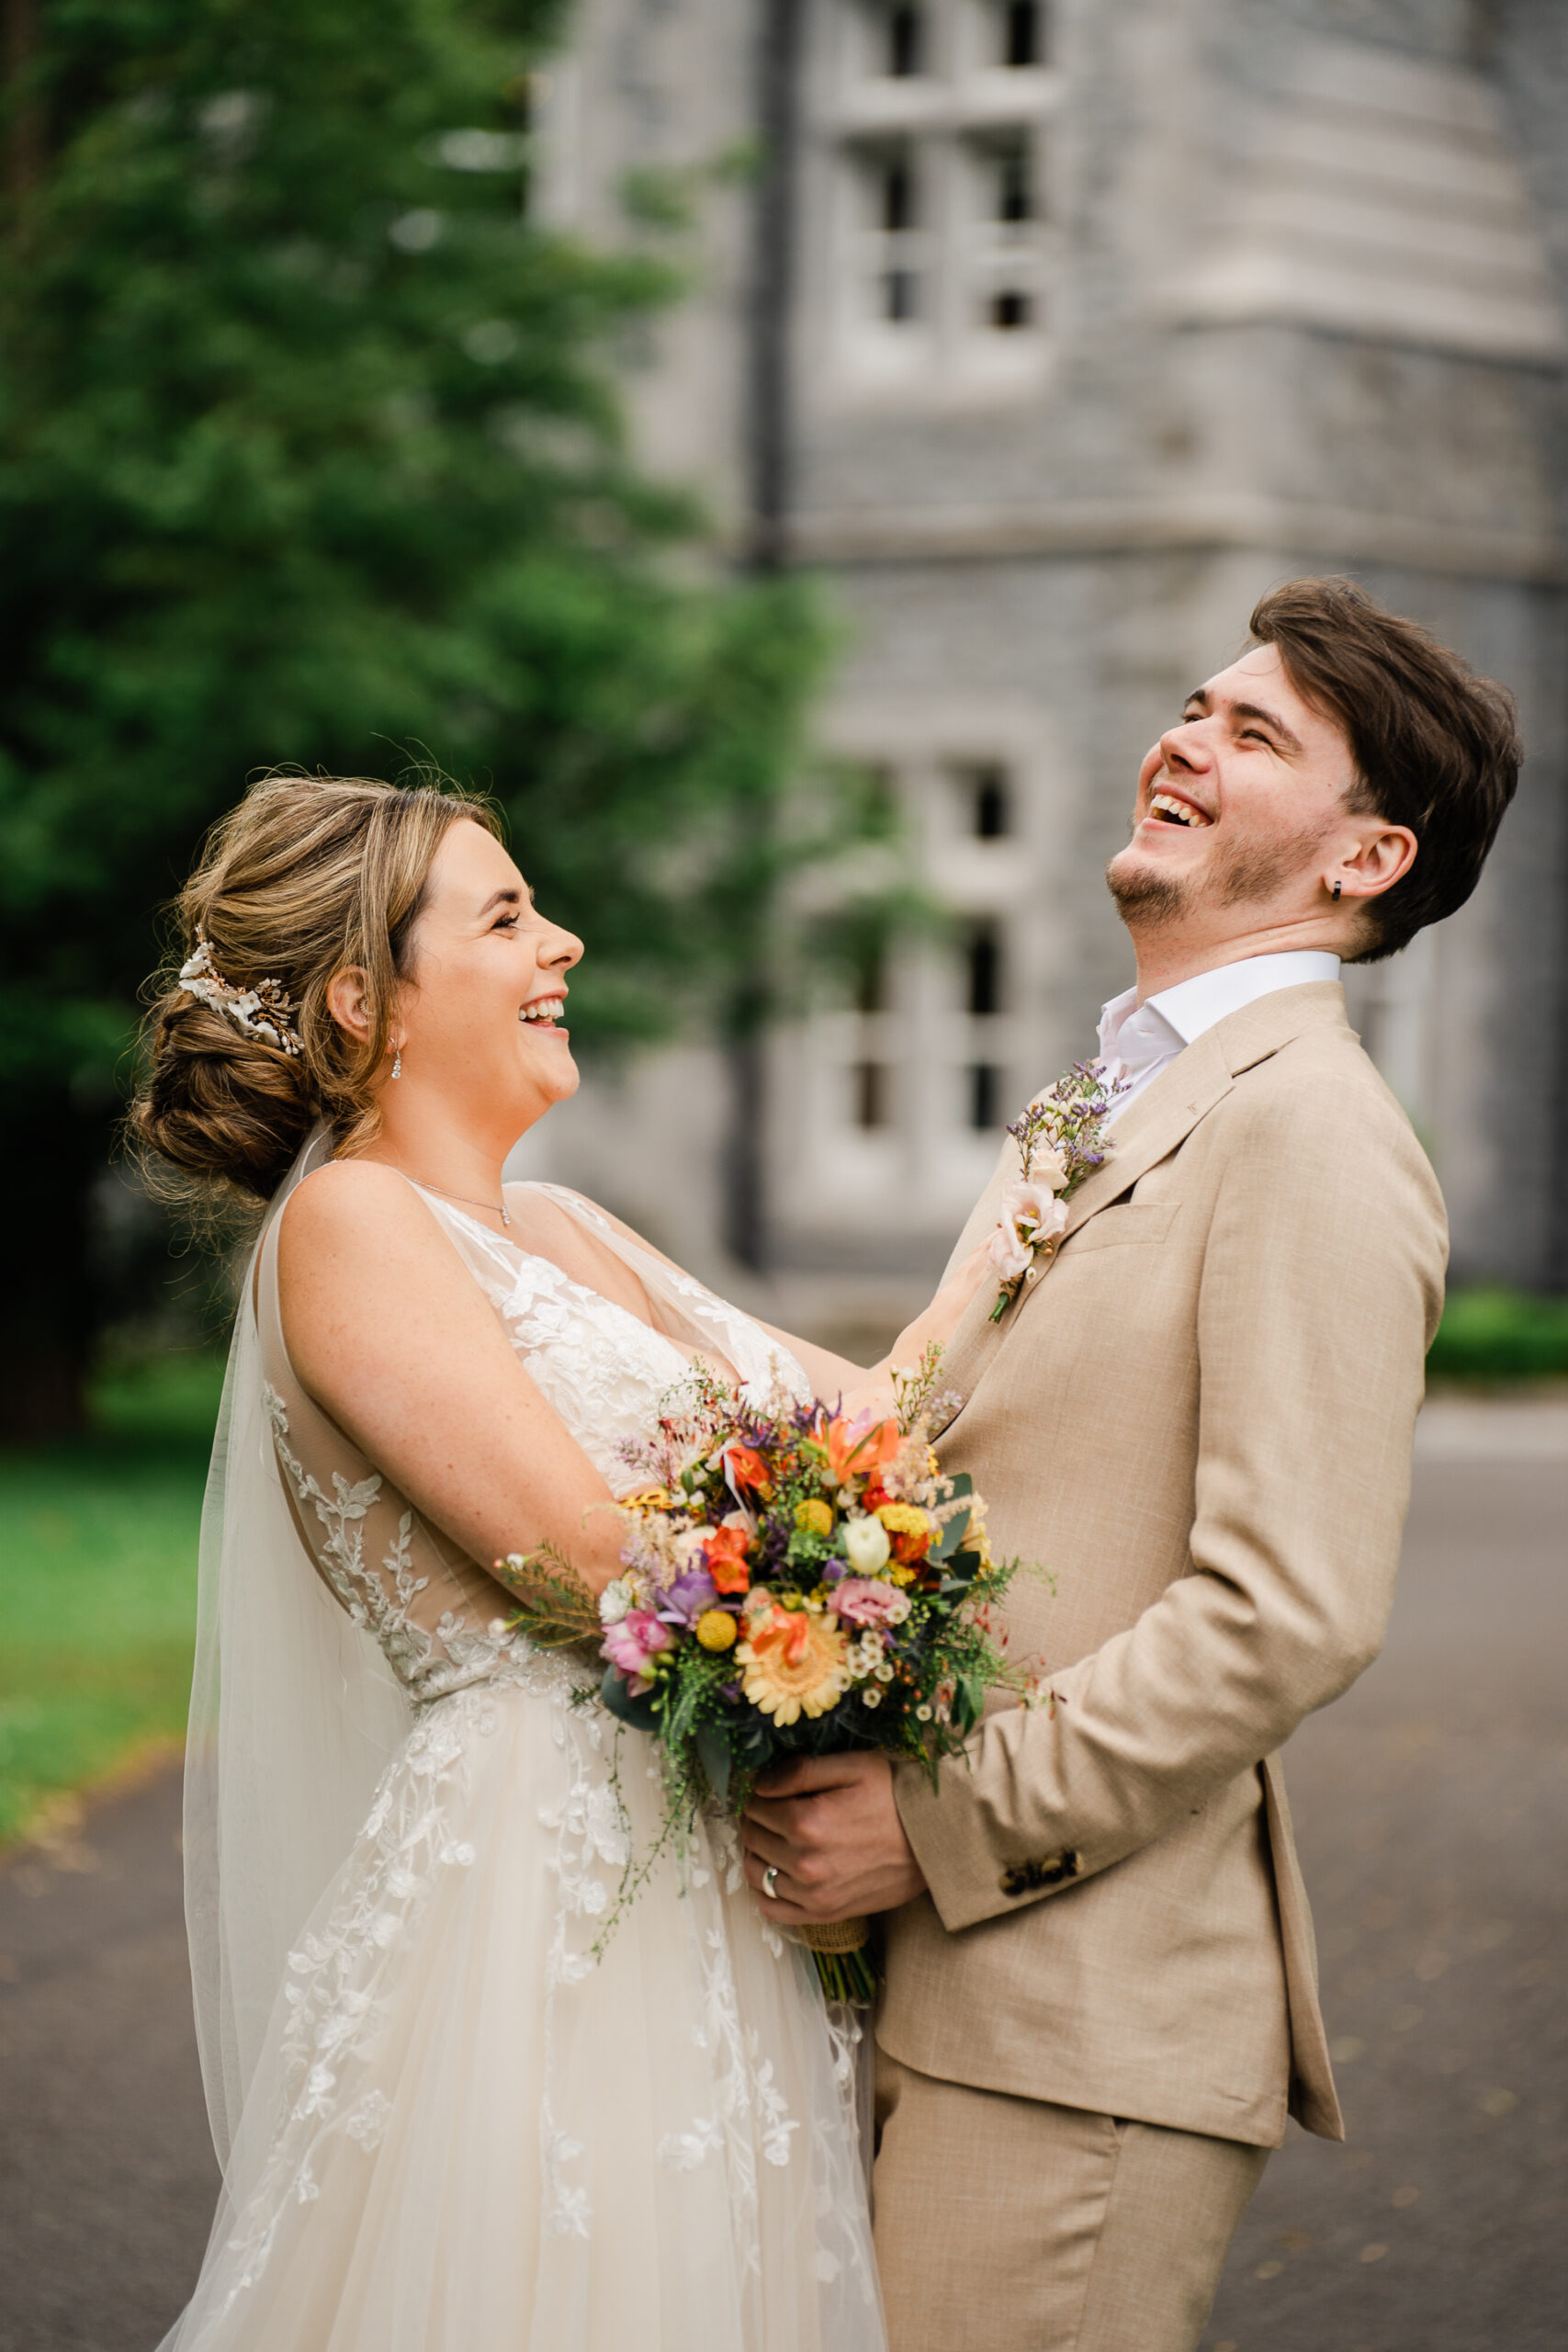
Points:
(794, 1665)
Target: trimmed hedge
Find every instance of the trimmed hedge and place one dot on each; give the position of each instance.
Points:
(1492, 1334)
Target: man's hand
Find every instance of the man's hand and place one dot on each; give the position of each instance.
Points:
(829, 1826)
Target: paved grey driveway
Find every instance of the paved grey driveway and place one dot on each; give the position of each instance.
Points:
(1431, 1808)
(107, 2174)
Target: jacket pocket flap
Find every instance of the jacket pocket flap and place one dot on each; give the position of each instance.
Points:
(1123, 1221)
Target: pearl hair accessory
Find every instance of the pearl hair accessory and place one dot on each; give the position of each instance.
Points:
(266, 1011)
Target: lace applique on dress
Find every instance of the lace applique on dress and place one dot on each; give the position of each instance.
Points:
(430, 1661)
(341, 1973)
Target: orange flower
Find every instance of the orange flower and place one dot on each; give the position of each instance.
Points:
(793, 1664)
(859, 1448)
(724, 1556)
(748, 1469)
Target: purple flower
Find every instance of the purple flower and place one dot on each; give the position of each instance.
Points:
(688, 1597)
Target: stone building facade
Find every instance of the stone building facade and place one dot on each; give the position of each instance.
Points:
(1050, 334)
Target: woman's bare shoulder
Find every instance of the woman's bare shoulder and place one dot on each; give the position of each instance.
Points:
(355, 1209)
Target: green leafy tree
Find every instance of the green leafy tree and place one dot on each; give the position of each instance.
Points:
(309, 453)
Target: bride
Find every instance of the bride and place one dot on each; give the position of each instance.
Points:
(466, 2096)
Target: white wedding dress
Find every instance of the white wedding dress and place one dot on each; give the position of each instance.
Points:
(469, 2111)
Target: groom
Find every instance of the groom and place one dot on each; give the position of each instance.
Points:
(1100, 1999)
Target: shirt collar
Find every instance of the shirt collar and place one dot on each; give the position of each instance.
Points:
(1136, 1033)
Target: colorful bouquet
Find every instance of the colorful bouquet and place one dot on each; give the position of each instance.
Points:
(795, 1583)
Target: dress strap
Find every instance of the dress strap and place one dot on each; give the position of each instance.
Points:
(762, 1363)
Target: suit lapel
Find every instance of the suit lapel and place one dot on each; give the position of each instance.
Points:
(1161, 1118)
(1148, 1131)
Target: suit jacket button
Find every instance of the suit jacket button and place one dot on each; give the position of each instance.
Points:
(1034, 1877)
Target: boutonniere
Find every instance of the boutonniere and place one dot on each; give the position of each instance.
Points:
(1060, 1141)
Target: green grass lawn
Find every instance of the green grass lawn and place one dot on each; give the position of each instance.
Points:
(97, 1585)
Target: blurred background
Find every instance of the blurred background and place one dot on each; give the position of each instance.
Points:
(797, 455)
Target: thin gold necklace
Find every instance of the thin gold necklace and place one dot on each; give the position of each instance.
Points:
(497, 1209)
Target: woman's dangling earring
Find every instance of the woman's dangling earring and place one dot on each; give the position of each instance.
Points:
(397, 1055)
(1338, 888)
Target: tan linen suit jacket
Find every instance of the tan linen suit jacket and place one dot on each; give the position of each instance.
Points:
(1199, 1416)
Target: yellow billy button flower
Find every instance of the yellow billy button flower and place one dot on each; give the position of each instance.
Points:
(716, 1629)
(910, 1528)
(815, 1517)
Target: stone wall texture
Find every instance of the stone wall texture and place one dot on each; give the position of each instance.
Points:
(1295, 283)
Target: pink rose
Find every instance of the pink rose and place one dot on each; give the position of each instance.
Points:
(632, 1644)
(862, 1601)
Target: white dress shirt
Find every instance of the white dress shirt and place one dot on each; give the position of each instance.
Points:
(1142, 1038)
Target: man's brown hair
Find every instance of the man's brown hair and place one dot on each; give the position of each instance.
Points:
(1435, 747)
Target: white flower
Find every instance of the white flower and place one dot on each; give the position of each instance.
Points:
(1034, 1212)
(1048, 1169)
(614, 1601)
(866, 1545)
(1008, 1256)
(1031, 1215)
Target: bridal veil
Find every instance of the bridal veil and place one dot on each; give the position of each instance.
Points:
(294, 1717)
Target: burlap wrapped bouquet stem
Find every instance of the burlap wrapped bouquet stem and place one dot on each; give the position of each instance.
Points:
(844, 1958)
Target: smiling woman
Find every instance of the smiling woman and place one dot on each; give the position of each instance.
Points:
(480, 1047)
(397, 1804)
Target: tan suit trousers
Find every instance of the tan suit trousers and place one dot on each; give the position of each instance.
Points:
(1010, 2225)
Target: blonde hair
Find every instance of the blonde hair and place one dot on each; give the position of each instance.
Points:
(307, 877)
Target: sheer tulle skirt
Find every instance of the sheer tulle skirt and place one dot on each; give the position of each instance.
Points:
(469, 2131)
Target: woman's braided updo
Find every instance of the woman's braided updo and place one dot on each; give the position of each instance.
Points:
(307, 877)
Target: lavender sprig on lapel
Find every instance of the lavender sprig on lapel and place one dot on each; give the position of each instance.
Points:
(1061, 1142)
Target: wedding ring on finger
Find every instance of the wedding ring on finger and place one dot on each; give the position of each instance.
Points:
(770, 1882)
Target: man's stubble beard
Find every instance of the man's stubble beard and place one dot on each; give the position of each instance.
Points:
(1154, 899)
(1145, 895)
